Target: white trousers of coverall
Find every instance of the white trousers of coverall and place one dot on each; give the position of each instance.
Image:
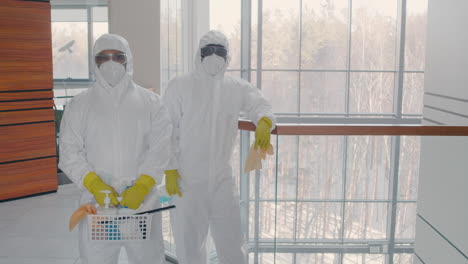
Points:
(207, 206)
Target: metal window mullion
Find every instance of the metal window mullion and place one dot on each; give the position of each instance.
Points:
(168, 40)
(276, 196)
(400, 60)
(300, 60)
(244, 184)
(297, 193)
(246, 38)
(335, 201)
(259, 43)
(245, 65)
(396, 141)
(90, 41)
(259, 86)
(361, 247)
(320, 70)
(257, 215)
(334, 242)
(188, 34)
(348, 66)
(177, 38)
(338, 120)
(343, 206)
(298, 138)
(393, 191)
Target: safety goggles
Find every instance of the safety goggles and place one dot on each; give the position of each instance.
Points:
(210, 50)
(117, 57)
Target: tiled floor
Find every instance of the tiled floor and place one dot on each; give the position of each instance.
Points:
(35, 230)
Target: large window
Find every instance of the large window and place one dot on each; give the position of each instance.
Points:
(74, 31)
(331, 199)
(171, 40)
(334, 57)
(171, 66)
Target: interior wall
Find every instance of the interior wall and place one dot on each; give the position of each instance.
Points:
(442, 233)
(139, 24)
(28, 162)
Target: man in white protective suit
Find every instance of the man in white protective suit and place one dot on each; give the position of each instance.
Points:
(116, 136)
(205, 106)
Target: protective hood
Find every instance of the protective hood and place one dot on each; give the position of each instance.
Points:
(212, 37)
(113, 42)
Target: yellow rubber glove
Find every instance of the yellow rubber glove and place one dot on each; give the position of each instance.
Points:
(262, 133)
(95, 185)
(134, 196)
(172, 182)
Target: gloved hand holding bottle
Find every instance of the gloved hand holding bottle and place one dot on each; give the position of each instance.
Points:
(262, 133)
(95, 186)
(172, 182)
(135, 195)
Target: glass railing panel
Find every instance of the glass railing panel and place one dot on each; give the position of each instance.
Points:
(332, 196)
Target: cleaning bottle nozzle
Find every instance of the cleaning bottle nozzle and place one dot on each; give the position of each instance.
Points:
(107, 198)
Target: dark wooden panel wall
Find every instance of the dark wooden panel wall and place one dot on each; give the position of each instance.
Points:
(27, 130)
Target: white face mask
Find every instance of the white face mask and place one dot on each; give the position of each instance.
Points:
(112, 72)
(213, 64)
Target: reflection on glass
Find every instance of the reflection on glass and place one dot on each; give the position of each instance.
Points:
(323, 92)
(324, 34)
(171, 65)
(287, 169)
(371, 93)
(293, 192)
(403, 258)
(409, 168)
(70, 43)
(171, 41)
(254, 35)
(317, 258)
(281, 90)
(319, 220)
(363, 259)
(368, 167)
(283, 226)
(413, 93)
(415, 39)
(406, 221)
(321, 167)
(373, 35)
(281, 34)
(271, 258)
(365, 221)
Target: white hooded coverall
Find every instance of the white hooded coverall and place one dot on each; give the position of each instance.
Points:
(205, 109)
(120, 133)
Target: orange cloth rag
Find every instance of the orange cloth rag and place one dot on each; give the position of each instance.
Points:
(81, 213)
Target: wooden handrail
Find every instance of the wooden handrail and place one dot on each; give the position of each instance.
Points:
(361, 130)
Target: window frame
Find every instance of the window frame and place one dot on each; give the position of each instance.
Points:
(70, 83)
(258, 245)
